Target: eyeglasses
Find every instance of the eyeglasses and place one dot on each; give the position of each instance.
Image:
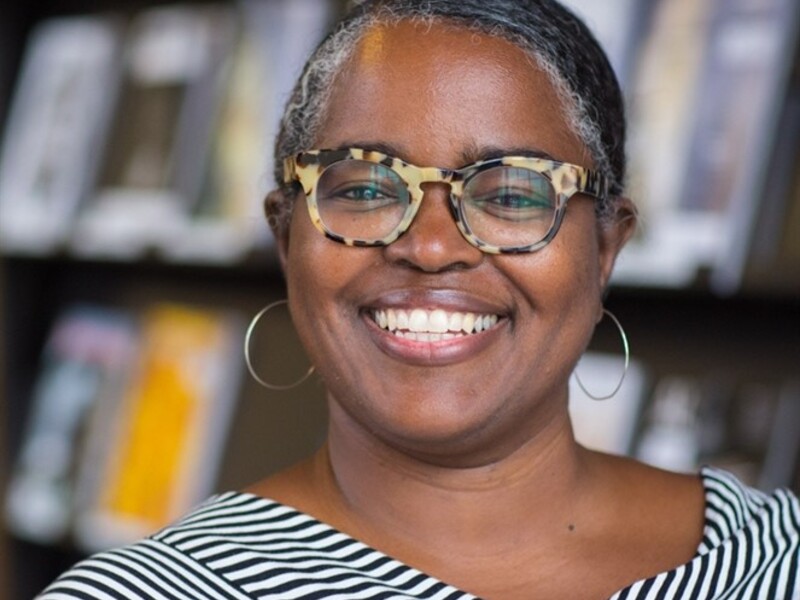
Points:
(505, 205)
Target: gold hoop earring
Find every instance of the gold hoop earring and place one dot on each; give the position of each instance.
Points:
(625, 368)
(249, 335)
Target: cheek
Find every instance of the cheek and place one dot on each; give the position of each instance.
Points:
(576, 253)
(312, 304)
(561, 293)
(562, 276)
(307, 270)
(320, 274)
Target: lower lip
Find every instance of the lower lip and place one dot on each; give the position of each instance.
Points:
(433, 354)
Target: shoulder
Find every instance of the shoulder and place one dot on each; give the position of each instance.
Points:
(713, 501)
(750, 545)
(147, 569)
(168, 564)
(736, 513)
(654, 518)
(668, 505)
(239, 546)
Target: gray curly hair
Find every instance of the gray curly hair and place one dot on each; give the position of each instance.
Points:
(559, 43)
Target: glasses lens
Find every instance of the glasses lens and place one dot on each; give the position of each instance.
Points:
(509, 206)
(361, 200)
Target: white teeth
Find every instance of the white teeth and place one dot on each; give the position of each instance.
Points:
(468, 323)
(402, 319)
(418, 321)
(454, 323)
(437, 321)
(432, 326)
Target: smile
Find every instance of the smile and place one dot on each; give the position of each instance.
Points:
(432, 325)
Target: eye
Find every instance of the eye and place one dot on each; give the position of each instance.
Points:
(511, 199)
(361, 196)
(360, 186)
(513, 205)
(361, 191)
(511, 194)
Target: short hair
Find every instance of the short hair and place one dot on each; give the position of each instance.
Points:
(557, 40)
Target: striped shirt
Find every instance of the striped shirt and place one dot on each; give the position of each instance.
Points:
(242, 546)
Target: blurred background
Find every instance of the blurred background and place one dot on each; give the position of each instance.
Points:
(135, 151)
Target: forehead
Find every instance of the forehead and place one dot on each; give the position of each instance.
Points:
(437, 92)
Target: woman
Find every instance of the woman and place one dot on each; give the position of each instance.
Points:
(446, 337)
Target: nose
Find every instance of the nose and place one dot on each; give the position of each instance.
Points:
(433, 242)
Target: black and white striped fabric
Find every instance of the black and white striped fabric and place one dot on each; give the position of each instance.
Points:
(241, 546)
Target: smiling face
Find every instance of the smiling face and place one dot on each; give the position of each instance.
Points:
(428, 344)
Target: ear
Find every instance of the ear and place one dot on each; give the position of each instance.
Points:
(613, 233)
(277, 208)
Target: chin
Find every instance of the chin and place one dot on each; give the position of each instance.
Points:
(444, 433)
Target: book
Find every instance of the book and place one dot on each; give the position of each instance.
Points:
(274, 41)
(155, 453)
(773, 264)
(84, 366)
(152, 171)
(705, 115)
(746, 426)
(748, 75)
(58, 119)
(228, 216)
(770, 264)
(617, 25)
(174, 163)
(284, 33)
(661, 101)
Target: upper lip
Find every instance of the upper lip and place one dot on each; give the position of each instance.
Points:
(453, 300)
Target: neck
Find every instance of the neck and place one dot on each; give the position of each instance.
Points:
(529, 491)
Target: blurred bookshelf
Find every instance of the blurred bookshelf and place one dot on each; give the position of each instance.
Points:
(133, 251)
(135, 149)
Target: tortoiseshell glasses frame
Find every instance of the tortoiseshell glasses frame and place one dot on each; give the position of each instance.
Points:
(559, 181)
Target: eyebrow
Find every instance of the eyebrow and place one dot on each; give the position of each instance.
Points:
(382, 147)
(469, 156)
(478, 153)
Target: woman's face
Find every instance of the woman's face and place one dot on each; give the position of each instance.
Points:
(442, 96)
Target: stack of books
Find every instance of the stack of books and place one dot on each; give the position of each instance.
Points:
(713, 144)
(149, 133)
(710, 136)
(127, 424)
